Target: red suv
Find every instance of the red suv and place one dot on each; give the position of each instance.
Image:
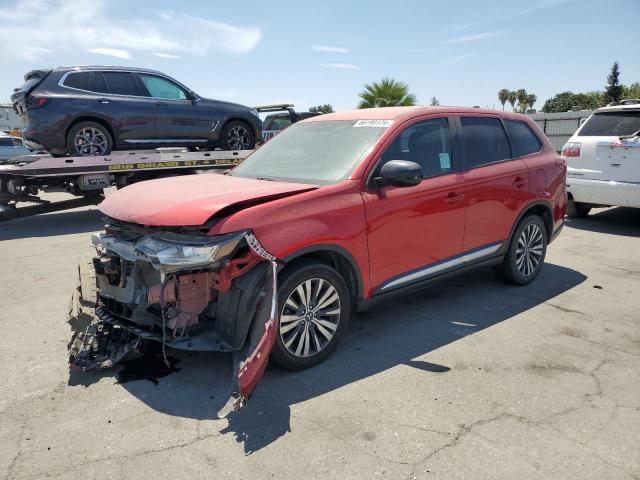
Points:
(334, 213)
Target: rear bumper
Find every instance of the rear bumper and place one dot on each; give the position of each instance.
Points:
(601, 192)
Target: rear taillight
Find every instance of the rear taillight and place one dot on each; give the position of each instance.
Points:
(36, 101)
(571, 149)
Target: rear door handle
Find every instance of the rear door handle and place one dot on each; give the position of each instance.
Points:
(103, 100)
(161, 104)
(453, 197)
(519, 182)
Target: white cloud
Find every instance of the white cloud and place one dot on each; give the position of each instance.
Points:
(112, 52)
(343, 66)
(166, 55)
(472, 38)
(517, 13)
(327, 49)
(461, 58)
(68, 25)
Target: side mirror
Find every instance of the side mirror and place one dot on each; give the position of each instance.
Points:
(400, 173)
(191, 95)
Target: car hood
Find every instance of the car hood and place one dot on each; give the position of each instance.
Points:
(191, 200)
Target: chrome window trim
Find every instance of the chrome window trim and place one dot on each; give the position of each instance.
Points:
(71, 72)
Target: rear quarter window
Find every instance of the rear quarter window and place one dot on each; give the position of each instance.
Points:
(611, 124)
(80, 80)
(523, 140)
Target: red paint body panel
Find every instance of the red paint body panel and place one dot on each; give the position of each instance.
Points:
(191, 199)
(385, 232)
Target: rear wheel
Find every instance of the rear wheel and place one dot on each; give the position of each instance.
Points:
(526, 252)
(89, 139)
(237, 135)
(314, 313)
(577, 209)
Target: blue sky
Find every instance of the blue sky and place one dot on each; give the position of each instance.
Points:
(309, 53)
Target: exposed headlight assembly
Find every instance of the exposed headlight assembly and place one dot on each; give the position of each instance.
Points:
(168, 252)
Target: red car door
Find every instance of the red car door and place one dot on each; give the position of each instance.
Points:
(496, 185)
(412, 230)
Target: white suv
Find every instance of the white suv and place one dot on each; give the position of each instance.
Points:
(603, 159)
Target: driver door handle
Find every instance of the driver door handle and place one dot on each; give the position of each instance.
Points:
(103, 100)
(161, 104)
(453, 198)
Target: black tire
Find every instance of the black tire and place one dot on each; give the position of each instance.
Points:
(237, 135)
(103, 145)
(296, 275)
(511, 269)
(577, 209)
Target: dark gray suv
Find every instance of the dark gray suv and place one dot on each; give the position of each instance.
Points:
(94, 110)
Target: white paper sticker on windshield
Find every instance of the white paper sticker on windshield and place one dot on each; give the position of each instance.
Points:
(373, 123)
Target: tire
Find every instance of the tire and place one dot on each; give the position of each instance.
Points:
(577, 209)
(527, 249)
(290, 346)
(237, 135)
(96, 140)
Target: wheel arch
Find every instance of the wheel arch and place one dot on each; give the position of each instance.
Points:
(90, 118)
(540, 208)
(236, 118)
(337, 257)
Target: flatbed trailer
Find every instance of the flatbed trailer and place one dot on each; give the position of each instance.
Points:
(21, 182)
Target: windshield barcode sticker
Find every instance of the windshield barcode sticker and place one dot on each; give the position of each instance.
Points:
(373, 123)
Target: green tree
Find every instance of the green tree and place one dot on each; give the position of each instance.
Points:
(512, 99)
(532, 98)
(386, 93)
(631, 91)
(434, 102)
(613, 89)
(503, 96)
(521, 96)
(326, 108)
(565, 101)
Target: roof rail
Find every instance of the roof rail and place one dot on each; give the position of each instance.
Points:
(274, 108)
(626, 101)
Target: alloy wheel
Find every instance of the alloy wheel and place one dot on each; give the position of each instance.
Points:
(310, 317)
(90, 141)
(529, 250)
(239, 138)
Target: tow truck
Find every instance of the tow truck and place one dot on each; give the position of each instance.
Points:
(88, 176)
(24, 179)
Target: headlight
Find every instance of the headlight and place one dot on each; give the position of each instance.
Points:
(170, 253)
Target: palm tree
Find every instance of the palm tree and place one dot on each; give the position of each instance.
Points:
(531, 99)
(387, 93)
(503, 96)
(512, 99)
(521, 95)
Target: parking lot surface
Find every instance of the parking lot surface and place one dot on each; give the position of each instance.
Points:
(467, 379)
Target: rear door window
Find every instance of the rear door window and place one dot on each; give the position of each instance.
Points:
(611, 124)
(80, 81)
(484, 141)
(523, 140)
(121, 83)
(97, 83)
(162, 88)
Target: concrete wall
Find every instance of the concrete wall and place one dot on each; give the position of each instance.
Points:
(8, 118)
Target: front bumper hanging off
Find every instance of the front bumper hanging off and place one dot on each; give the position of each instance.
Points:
(246, 293)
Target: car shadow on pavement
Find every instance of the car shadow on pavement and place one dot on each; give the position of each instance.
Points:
(614, 221)
(53, 223)
(394, 333)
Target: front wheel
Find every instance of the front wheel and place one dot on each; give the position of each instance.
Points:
(577, 209)
(526, 253)
(89, 139)
(314, 313)
(237, 135)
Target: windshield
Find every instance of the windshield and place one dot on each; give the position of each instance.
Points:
(319, 153)
(612, 124)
